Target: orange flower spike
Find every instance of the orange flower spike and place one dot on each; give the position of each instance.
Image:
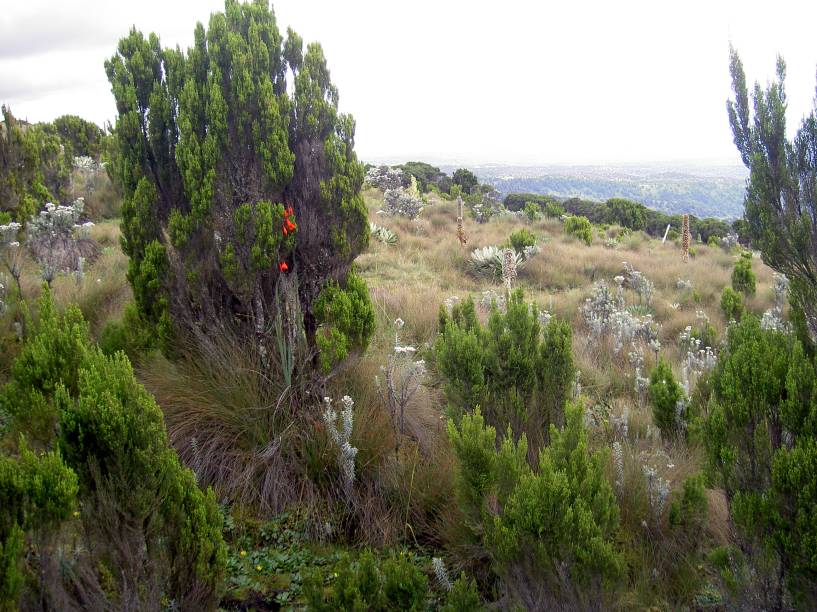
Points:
(283, 267)
(285, 230)
(289, 225)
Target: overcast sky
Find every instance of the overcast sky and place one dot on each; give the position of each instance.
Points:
(473, 82)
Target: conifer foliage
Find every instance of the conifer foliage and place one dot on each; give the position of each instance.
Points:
(237, 169)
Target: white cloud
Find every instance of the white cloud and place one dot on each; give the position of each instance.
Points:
(507, 81)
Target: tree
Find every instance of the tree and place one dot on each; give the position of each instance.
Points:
(79, 136)
(233, 187)
(34, 167)
(627, 213)
(466, 179)
(781, 195)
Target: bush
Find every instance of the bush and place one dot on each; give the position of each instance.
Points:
(517, 372)
(148, 523)
(532, 211)
(732, 304)
(37, 493)
(366, 584)
(666, 396)
(520, 239)
(554, 210)
(743, 278)
(580, 228)
(550, 530)
(232, 176)
(759, 436)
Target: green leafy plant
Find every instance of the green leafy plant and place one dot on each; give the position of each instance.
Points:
(532, 211)
(550, 528)
(148, 521)
(743, 278)
(580, 228)
(759, 436)
(225, 167)
(518, 371)
(521, 239)
(665, 394)
(732, 304)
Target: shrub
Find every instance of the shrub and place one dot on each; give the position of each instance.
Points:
(222, 177)
(532, 211)
(554, 210)
(521, 239)
(36, 493)
(393, 584)
(146, 520)
(759, 437)
(580, 228)
(689, 513)
(516, 370)
(666, 397)
(550, 529)
(732, 304)
(743, 278)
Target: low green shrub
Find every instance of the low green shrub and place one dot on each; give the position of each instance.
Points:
(147, 521)
(550, 529)
(743, 278)
(520, 239)
(665, 394)
(732, 304)
(580, 228)
(517, 371)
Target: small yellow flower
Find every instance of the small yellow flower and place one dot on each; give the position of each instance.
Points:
(243, 553)
(76, 514)
(258, 568)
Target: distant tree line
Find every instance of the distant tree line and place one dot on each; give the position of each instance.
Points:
(630, 214)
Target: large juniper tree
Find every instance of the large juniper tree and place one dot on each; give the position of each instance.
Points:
(235, 178)
(781, 195)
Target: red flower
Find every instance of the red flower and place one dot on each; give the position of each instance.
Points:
(289, 225)
(283, 267)
(285, 230)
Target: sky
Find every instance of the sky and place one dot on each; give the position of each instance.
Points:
(510, 82)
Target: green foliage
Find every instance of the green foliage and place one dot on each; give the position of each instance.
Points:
(665, 393)
(743, 279)
(345, 320)
(553, 526)
(80, 137)
(217, 156)
(627, 213)
(780, 207)
(34, 168)
(466, 179)
(518, 373)
(554, 210)
(462, 596)
(520, 239)
(580, 228)
(532, 211)
(36, 493)
(689, 513)
(763, 386)
(732, 304)
(396, 583)
(112, 436)
(427, 175)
